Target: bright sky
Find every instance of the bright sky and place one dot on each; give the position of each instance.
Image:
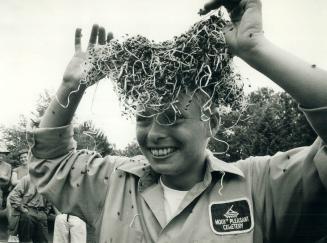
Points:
(37, 42)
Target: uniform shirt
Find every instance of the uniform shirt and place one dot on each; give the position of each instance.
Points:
(278, 198)
(21, 171)
(5, 173)
(25, 194)
(172, 200)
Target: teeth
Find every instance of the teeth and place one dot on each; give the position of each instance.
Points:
(162, 151)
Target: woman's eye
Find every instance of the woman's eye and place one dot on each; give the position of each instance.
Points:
(179, 116)
(143, 119)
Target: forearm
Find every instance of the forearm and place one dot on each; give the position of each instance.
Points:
(14, 179)
(15, 199)
(305, 82)
(57, 212)
(57, 114)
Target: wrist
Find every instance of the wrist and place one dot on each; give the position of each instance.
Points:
(67, 89)
(69, 94)
(71, 86)
(22, 208)
(258, 44)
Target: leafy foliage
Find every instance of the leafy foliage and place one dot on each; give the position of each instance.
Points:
(272, 123)
(132, 149)
(86, 134)
(15, 139)
(92, 138)
(42, 103)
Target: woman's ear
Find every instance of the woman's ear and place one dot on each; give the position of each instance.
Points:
(215, 121)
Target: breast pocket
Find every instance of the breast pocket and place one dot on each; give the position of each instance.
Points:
(121, 232)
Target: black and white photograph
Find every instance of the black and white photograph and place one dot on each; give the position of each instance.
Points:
(186, 121)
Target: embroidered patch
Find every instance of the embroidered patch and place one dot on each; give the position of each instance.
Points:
(231, 217)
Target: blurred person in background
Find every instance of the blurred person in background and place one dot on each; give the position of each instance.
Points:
(30, 210)
(68, 229)
(22, 170)
(17, 174)
(5, 176)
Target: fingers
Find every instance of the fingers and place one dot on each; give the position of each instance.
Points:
(228, 28)
(102, 36)
(110, 36)
(236, 13)
(215, 4)
(78, 37)
(230, 4)
(93, 36)
(98, 34)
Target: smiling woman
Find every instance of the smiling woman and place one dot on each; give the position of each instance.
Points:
(57, 20)
(127, 200)
(168, 147)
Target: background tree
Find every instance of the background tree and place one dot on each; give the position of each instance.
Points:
(132, 149)
(271, 123)
(15, 139)
(42, 103)
(92, 138)
(86, 134)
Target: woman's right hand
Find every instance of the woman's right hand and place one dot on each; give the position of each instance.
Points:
(77, 68)
(23, 209)
(244, 33)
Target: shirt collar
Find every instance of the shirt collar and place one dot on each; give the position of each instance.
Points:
(215, 165)
(140, 166)
(137, 165)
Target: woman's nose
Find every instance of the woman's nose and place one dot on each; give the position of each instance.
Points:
(156, 132)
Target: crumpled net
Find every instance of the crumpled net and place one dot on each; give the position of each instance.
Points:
(149, 75)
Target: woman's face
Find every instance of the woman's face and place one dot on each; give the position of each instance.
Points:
(23, 158)
(177, 149)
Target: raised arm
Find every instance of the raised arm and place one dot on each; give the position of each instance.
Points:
(289, 188)
(61, 110)
(306, 82)
(60, 172)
